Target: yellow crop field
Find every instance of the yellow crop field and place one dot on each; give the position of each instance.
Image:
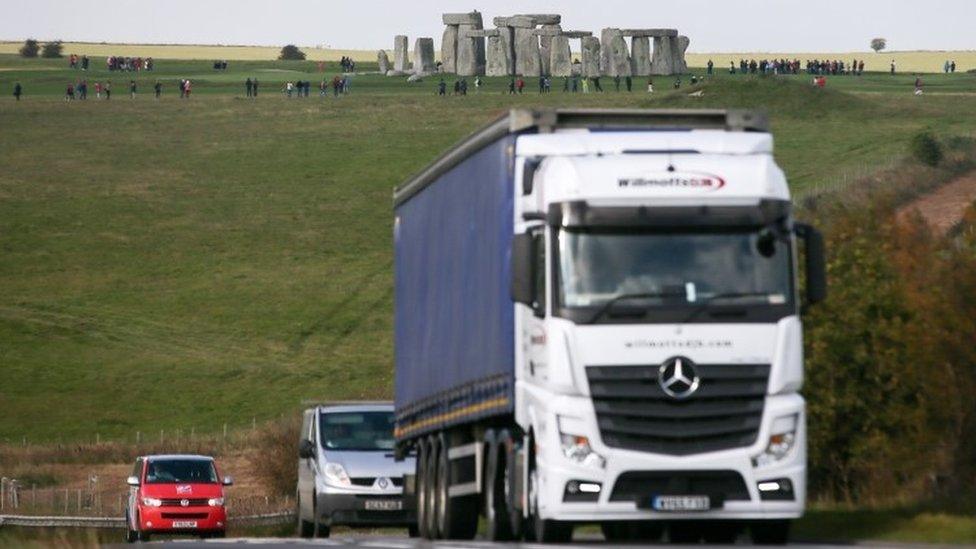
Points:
(905, 61)
(179, 51)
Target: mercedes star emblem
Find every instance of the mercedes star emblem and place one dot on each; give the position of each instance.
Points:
(678, 378)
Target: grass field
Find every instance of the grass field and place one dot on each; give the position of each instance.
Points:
(181, 264)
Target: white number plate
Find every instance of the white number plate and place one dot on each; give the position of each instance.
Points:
(384, 505)
(681, 503)
(184, 524)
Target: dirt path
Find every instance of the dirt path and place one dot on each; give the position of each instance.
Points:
(944, 208)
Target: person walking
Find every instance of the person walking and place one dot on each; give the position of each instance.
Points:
(711, 66)
(892, 67)
(520, 85)
(288, 87)
(650, 86)
(918, 85)
(586, 85)
(616, 82)
(18, 90)
(464, 86)
(477, 84)
(442, 88)
(629, 82)
(108, 90)
(945, 67)
(98, 90)
(132, 89)
(254, 88)
(187, 88)
(511, 87)
(157, 89)
(596, 84)
(69, 92)
(249, 87)
(952, 67)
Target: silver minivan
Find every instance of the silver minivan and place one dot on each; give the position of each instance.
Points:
(347, 474)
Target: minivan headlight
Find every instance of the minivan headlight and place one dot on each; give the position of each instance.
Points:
(152, 502)
(215, 502)
(336, 474)
(782, 438)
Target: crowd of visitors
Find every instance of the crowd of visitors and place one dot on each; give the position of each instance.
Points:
(220, 65)
(347, 64)
(118, 63)
(339, 85)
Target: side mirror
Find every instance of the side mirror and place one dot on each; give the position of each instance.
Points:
(228, 481)
(816, 263)
(528, 174)
(306, 449)
(132, 481)
(523, 278)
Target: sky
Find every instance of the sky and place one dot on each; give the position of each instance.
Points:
(712, 25)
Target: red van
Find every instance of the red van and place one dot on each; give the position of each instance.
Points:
(175, 494)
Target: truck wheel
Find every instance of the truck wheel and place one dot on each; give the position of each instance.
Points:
(421, 488)
(413, 531)
(305, 528)
(496, 508)
(430, 467)
(773, 532)
(457, 516)
(515, 519)
(540, 529)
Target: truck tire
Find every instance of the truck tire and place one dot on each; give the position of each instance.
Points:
(510, 450)
(497, 526)
(421, 488)
(430, 474)
(539, 529)
(457, 516)
(772, 532)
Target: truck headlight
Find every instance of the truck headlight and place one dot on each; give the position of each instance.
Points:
(577, 448)
(215, 502)
(336, 474)
(782, 438)
(152, 502)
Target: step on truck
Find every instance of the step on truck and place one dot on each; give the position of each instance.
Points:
(597, 321)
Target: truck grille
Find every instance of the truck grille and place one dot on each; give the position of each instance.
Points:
(634, 413)
(639, 485)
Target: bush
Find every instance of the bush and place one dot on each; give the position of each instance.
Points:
(276, 465)
(30, 48)
(52, 50)
(926, 149)
(291, 53)
(878, 44)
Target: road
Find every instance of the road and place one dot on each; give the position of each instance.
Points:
(385, 542)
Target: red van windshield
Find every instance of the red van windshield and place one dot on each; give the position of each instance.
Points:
(189, 471)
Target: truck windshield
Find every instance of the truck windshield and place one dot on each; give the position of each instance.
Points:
(180, 471)
(357, 431)
(644, 270)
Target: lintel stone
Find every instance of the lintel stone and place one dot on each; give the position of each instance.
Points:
(652, 33)
(472, 18)
(548, 32)
(544, 18)
(486, 33)
(577, 34)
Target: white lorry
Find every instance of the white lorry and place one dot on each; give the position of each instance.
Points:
(598, 321)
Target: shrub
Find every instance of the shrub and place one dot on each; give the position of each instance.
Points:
(30, 48)
(276, 465)
(52, 50)
(926, 149)
(291, 53)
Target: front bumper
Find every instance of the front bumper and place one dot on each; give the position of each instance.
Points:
(162, 519)
(349, 509)
(556, 471)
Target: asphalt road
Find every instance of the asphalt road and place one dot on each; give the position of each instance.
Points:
(381, 542)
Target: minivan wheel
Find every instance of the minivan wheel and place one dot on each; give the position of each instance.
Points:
(319, 530)
(130, 535)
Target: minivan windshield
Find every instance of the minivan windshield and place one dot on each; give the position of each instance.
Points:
(173, 471)
(357, 431)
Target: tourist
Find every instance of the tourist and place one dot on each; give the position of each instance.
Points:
(254, 85)
(186, 88)
(542, 84)
(892, 67)
(586, 85)
(457, 87)
(918, 85)
(69, 93)
(157, 89)
(945, 67)
(18, 90)
(952, 67)
(616, 82)
(345, 79)
(132, 89)
(98, 90)
(323, 88)
(511, 87)
(520, 85)
(711, 66)
(442, 88)
(249, 87)
(629, 82)
(731, 67)
(596, 84)
(477, 84)
(336, 86)
(288, 88)
(650, 84)
(677, 83)
(464, 86)
(108, 90)
(575, 85)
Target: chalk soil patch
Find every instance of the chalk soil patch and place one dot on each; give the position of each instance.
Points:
(944, 208)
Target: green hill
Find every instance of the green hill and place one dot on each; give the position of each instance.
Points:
(181, 264)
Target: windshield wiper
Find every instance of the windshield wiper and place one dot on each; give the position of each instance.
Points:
(622, 297)
(704, 304)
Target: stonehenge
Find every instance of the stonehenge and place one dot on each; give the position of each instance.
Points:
(535, 45)
(383, 61)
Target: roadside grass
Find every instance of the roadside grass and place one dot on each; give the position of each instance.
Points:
(887, 525)
(184, 264)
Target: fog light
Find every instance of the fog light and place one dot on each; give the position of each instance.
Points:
(582, 491)
(780, 489)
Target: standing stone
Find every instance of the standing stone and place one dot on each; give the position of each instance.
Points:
(618, 59)
(560, 57)
(400, 63)
(423, 56)
(470, 48)
(383, 61)
(680, 64)
(640, 56)
(591, 57)
(662, 63)
(545, 46)
(606, 37)
(506, 43)
(528, 60)
(449, 44)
